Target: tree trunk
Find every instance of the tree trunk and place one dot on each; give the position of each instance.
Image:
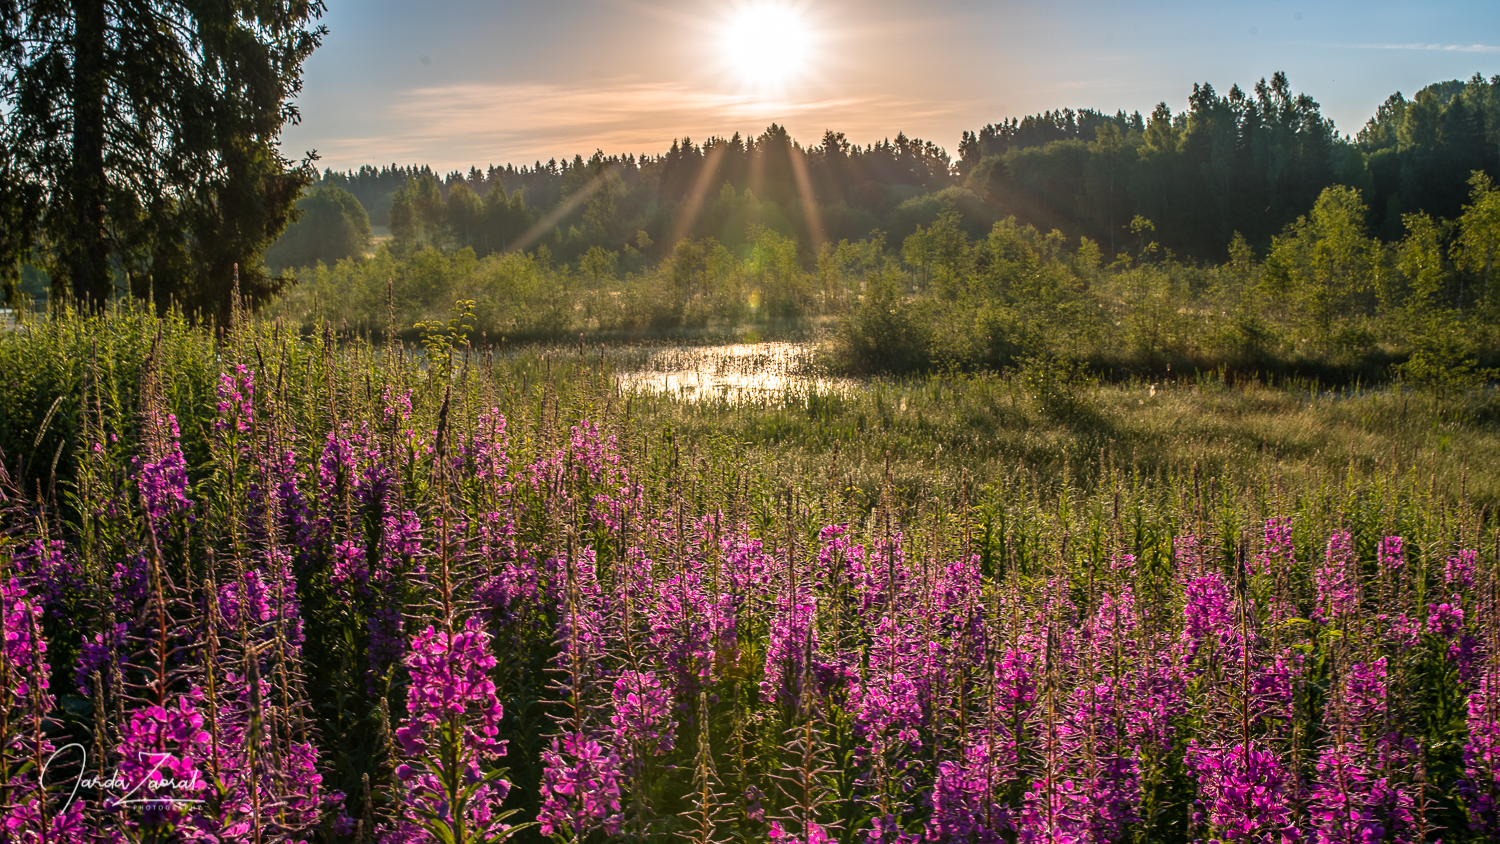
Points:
(88, 252)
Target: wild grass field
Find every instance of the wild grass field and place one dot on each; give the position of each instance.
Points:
(302, 587)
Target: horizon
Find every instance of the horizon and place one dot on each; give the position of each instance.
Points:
(465, 84)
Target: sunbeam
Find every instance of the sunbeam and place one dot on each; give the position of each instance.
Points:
(687, 214)
(563, 209)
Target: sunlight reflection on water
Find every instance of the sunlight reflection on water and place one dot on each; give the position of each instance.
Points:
(738, 373)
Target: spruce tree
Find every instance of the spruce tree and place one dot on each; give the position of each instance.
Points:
(140, 142)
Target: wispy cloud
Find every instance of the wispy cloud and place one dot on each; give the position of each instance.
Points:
(461, 125)
(1446, 48)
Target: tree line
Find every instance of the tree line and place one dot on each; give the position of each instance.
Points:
(1248, 162)
(1243, 165)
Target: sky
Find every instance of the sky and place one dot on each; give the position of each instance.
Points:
(460, 83)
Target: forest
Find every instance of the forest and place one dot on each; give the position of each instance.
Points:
(1247, 162)
(1242, 235)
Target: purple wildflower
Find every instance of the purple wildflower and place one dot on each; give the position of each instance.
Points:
(1339, 804)
(50, 572)
(966, 803)
(1445, 619)
(450, 735)
(580, 788)
(25, 650)
(1481, 786)
(236, 400)
(642, 717)
(1391, 555)
(1277, 549)
(162, 477)
(98, 654)
(1244, 794)
(812, 834)
(1337, 594)
(1207, 614)
(161, 759)
(1458, 571)
(793, 637)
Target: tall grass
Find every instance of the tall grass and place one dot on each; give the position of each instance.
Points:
(334, 591)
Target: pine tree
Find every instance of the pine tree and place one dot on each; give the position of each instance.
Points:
(141, 139)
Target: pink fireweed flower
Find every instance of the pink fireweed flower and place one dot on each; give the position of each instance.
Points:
(400, 542)
(25, 650)
(28, 813)
(887, 579)
(1158, 698)
(1207, 615)
(580, 788)
(642, 716)
(1391, 555)
(1188, 553)
(1337, 592)
(811, 834)
(840, 561)
(97, 654)
(966, 801)
(1458, 571)
(1445, 619)
(50, 572)
(886, 829)
(489, 447)
(1277, 549)
(1339, 803)
(236, 400)
(450, 681)
(1054, 813)
(261, 600)
(887, 705)
(1481, 785)
(449, 737)
(349, 567)
(1244, 794)
(792, 638)
(582, 637)
(1098, 761)
(1365, 692)
(162, 756)
(690, 626)
(508, 592)
(163, 479)
(1015, 683)
(1400, 631)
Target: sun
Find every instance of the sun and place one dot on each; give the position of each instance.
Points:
(767, 45)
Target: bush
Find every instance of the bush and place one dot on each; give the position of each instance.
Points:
(332, 226)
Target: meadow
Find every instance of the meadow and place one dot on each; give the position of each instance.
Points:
(280, 587)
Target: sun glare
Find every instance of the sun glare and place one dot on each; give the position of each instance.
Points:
(767, 46)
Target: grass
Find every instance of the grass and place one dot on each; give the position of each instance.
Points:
(1043, 481)
(930, 435)
(934, 432)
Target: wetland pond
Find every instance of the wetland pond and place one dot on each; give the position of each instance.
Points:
(737, 373)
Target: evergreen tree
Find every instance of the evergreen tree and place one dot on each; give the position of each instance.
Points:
(418, 216)
(465, 215)
(141, 139)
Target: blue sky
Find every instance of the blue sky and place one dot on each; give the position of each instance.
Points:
(454, 83)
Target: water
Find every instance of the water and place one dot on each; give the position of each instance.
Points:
(741, 373)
